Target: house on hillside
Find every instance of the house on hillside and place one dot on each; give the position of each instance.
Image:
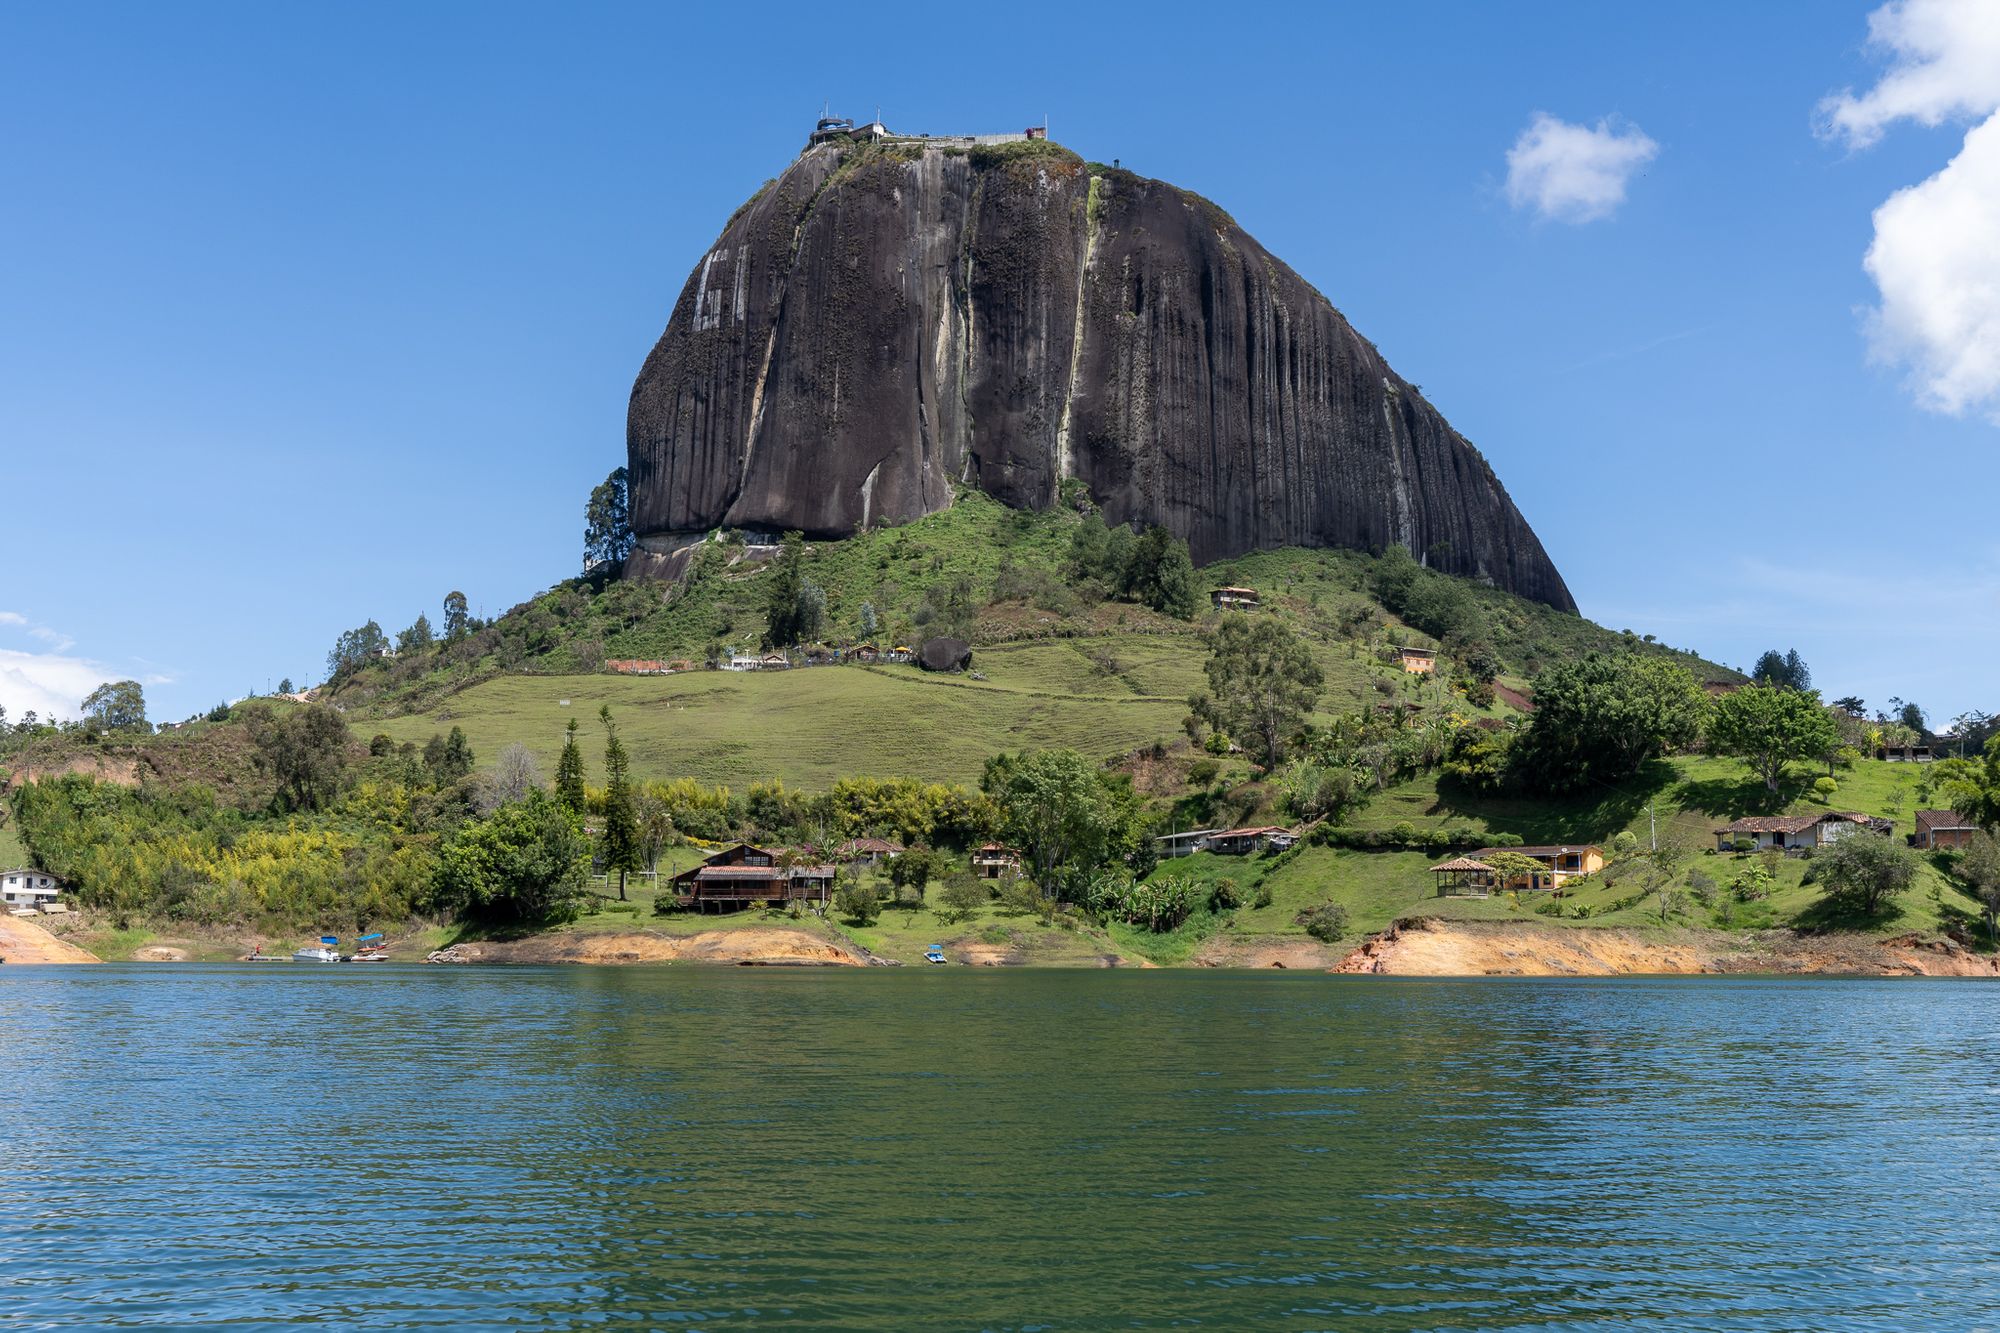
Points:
(862, 652)
(1792, 833)
(24, 891)
(1245, 841)
(1904, 754)
(1943, 828)
(1559, 864)
(870, 851)
(1418, 661)
(1235, 599)
(1184, 844)
(745, 875)
(774, 661)
(994, 861)
(742, 662)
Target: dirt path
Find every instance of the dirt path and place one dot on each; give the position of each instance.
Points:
(1425, 947)
(22, 941)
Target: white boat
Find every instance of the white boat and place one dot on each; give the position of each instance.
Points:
(375, 955)
(315, 953)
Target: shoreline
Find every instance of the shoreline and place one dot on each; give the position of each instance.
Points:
(1415, 946)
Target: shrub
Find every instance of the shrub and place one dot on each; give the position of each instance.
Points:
(1224, 896)
(1263, 898)
(1202, 772)
(858, 901)
(1823, 790)
(1326, 922)
(1625, 843)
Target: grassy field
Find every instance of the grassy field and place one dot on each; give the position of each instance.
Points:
(12, 853)
(807, 726)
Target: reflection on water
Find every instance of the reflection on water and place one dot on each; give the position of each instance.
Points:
(460, 1148)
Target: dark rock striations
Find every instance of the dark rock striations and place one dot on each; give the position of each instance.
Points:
(886, 321)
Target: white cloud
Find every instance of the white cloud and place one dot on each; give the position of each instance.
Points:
(1936, 261)
(1944, 64)
(1933, 258)
(1574, 173)
(49, 684)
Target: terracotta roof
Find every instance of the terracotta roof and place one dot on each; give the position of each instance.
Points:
(870, 845)
(1789, 823)
(1932, 821)
(1464, 863)
(1540, 851)
(738, 872)
(1252, 832)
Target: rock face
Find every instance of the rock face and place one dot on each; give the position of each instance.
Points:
(883, 322)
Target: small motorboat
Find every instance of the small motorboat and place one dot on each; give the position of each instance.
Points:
(315, 953)
(369, 949)
(934, 954)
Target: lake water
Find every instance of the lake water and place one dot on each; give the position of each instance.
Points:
(682, 1148)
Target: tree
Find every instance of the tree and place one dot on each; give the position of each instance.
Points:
(525, 863)
(1973, 787)
(569, 773)
(449, 758)
(1603, 718)
(305, 750)
(1160, 574)
(355, 648)
(1262, 684)
(961, 896)
(285, 685)
(116, 706)
(1912, 717)
(1784, 671)
(417, 637)
(622, 850)
(455, 618)
(1068, 817)
(857, 900)
(787, 594)
(868, 621)
(913, 871)
(1864, 871)
(513, 777)
(607, 523)
(1769, 726)
(1852, 705)
(1979, 867)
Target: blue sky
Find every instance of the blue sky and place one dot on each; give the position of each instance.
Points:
(310, 315)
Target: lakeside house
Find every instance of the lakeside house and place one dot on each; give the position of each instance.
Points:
(1904, 754)
(25, 891)
(1184, 844)
(1790, 833)
(745, 875)
(1235, 599)
(1559, 865)
(1245, 841)
(1942, 828)
(994, 861)
(870, 851)
(1418, 661)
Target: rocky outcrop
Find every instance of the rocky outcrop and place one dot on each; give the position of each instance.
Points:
(884, 322)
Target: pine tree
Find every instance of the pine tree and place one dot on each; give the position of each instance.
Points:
(569, 774)
(621, 816)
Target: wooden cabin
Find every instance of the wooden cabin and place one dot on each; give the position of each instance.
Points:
(746, 875)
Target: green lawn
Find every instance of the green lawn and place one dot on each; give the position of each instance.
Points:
(12, 853)
(807, 726)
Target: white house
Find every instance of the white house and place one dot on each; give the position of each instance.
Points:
(28, 890)
(1792, 832)
(1185, 844)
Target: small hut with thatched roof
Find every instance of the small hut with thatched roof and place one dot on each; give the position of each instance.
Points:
(1463, 877)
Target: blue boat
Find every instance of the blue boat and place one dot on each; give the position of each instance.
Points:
(934, 954)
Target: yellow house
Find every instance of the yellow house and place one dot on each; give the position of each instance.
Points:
(1560, 864)
(1419, 661)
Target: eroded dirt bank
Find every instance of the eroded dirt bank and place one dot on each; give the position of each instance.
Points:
(1426, 947)
(22, 941)
(771, 948)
